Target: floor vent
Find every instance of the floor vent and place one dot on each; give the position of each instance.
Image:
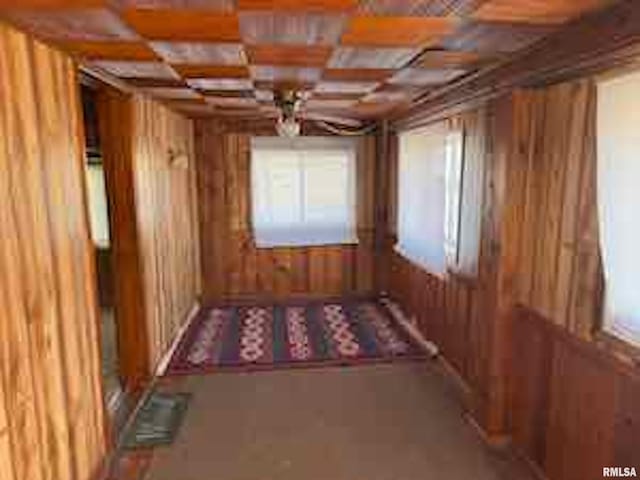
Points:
(158, 421)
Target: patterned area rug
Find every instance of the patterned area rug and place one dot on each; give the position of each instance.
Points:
(289, 335)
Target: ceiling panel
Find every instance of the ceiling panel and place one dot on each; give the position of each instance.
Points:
(495, 37)
(141, 82)
(418, 8)
(315, 104)
(233, 102)
(136, 51)
(90, 24)
(212, 71)
(449, 59)
(213, 5)
(345, 87)
(422, 77)
(201, 52)
(375, 58)
(228, 93)
(184, 25)
(274, 73)
(174, 93)
(136, 69)
(296, 85)
(357, 74)
(293, 5)
(264, 95)
(263, 27)
(536, 11)
(396, 31)
(387, 96)
(221, 83)
(288, 55)
(337, 95)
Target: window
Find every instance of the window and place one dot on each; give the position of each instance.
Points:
(421, 197)
(439, 200)
(303, 191)
(618, 140)
(464, 188)
(454, 164)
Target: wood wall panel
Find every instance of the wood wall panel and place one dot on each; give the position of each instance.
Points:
(154, 226)
(453, 312)
(51, 410)
(575, 408)
(232, 267)
(528, 348)
(166, 216)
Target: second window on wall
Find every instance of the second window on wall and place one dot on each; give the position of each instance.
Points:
(303, 191)
(439, 200)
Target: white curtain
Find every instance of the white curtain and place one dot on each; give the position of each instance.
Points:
(303, 191)
(464, 188)
(618, 138)
(421, 197)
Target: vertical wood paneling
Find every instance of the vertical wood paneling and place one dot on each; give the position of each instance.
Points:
(526, 347)
(154, 226)
(166, 220)
(454, 312)
(232, 267)
(51, 424)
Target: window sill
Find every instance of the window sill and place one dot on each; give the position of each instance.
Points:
(265, 245)
(417, 264)
(618, 348)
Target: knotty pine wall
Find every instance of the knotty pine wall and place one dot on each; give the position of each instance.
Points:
(154, 225)
(455, 312)
(575, 404)
(232, 267)
(523, 337)
(166, 214)
(51, 411)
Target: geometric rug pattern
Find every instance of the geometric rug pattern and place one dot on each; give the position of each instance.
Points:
(293, 334)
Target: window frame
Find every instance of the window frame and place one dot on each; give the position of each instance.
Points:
(303, 145)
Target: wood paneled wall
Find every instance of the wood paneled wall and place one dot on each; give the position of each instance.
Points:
(231, 264)
(154, 225)
(166, 215)
(575, 408)
(454, 312)
(523, 336)
(51, 410)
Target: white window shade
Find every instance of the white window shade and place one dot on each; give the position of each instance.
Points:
(464, 188)
(303, 191)
(421, 197)
(618, 139)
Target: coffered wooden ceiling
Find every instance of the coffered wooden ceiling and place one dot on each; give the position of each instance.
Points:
(356, 58)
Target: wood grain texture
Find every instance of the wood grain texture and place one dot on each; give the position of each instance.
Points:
(395, 31)
(574, 408)
(166, 216)
(154, 227)
(522, 336)
(51, 411)
(455, 313)
(232, 266)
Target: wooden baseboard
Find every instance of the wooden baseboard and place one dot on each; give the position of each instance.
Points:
(253, 299)
(166, 358)
(495, 441)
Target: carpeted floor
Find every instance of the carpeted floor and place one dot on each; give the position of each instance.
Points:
(375, 422)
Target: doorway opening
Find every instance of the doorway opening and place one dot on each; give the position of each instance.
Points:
(99, 216)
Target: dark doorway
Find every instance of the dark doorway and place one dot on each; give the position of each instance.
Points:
(98, 204)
